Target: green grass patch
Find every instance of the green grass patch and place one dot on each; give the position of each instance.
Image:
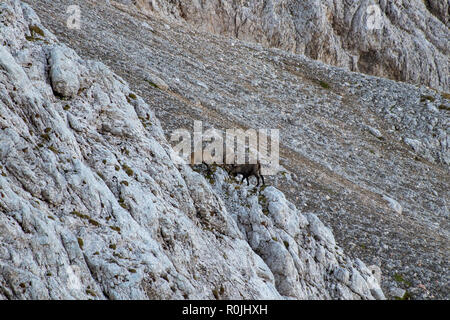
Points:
(80, 215)
(324, 84)
(154, 85)
(406, 296)
(93, 222)
(90, 292)
(129, 172)
(53, 149)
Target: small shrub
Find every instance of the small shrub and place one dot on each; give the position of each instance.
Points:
(118, 255)
(262, 199)
(324, 85)
(36, 30)
(80, 215)
(425, 98)
(406, 296)
(53, 149)
(154, 85)
(117, 229)
(93, 222)
(123, 205)
(399, 278)
(90, 292)
(129, 172)
(80, 243)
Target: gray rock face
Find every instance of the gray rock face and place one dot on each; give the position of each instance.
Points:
(401, 40)
(93, 207)
(394, 204)
(332, 165)
(64, 72)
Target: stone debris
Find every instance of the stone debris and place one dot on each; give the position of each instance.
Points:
(92, 206)
(361, 36)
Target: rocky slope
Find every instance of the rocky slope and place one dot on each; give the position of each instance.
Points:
(401, 40)
(92, 205)
(367, 155)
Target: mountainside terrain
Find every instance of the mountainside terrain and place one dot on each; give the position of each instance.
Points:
(93, 206)
(367, 155)
(404, 40)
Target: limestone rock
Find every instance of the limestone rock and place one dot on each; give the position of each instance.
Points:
(401, 40)
(64, 72)
(326, 152)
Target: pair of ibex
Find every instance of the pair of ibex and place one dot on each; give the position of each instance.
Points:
(247, 170)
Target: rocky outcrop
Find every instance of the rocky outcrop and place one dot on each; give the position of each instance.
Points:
(298, 249)
(356, 150)
(92, 205)
(400, 40)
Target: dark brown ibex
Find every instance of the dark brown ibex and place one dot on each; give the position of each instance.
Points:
(247, 170)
